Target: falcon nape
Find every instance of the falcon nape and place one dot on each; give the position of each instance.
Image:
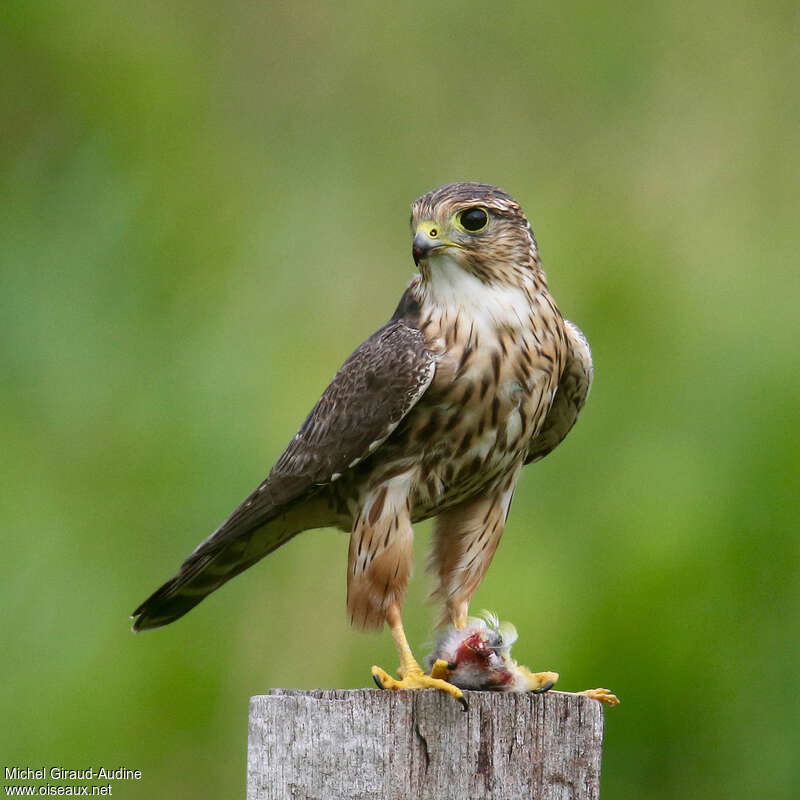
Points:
(475, 375)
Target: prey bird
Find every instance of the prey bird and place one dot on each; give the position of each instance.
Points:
(475, 375)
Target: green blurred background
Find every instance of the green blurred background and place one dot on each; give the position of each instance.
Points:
(204, 210)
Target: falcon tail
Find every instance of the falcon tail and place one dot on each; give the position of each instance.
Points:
(204, 571)
(239, 543)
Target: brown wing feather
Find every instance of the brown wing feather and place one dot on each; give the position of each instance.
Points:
(372, 392)
(368, 397)
(573, 389)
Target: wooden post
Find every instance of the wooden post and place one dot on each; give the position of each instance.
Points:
(381, 745)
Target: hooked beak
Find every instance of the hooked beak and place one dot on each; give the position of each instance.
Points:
(423, 245)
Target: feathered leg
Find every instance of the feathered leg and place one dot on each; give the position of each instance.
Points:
(379, 565)
(465, 539)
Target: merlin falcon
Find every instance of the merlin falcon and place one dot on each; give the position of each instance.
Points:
(475, 375)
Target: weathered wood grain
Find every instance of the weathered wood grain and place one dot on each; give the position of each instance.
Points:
(401, 745)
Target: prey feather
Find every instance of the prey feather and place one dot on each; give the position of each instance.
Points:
(478, 657)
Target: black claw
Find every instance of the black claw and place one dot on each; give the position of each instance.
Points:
(378, 682)
(464, 703)
(546, 688)
(451, 665)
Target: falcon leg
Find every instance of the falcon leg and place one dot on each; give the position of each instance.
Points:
(458, 612)
(411, 674)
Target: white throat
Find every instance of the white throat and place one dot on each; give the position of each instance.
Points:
(452, 288)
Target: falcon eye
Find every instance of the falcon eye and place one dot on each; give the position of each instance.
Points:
(473, 219)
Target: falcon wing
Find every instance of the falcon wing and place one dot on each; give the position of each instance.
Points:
(369, 396)
(367, 399)
(573, 389)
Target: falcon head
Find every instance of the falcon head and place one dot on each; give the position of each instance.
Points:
(473, 227)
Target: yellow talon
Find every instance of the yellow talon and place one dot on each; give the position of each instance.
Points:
(603, 696)
(440, 669)
(538, 681)
(410, 672)
(415, 678)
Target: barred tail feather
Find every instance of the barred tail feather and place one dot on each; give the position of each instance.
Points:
(240, 542)
(206, 569)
